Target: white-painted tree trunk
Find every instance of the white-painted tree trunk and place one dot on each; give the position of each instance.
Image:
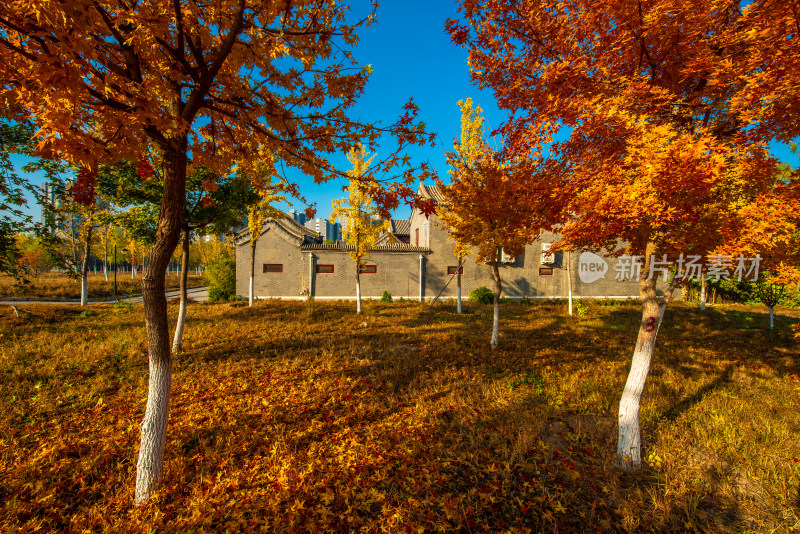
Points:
(498, 289)
(358, 292)
(85, 268)
(154, 429)
(251, 284)
(629, 438)
(421, 278)
(629, 453)
(177, 339)
(702, 292)
(84, 288)
(310, 275)
(771, 317)
(458, 290)
(569, 282)
(149, 466)
(496, 323)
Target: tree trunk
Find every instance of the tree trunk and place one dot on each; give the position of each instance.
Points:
(84, 287)
(629, 439)
(170, 220)
(771, 317)
(358, 290)
(72, 239)
(498, 288)
(569, 281)
(85, 268)
(702, 292)
(178, 338)
(105, 261)
(458, 288)
(251, 287)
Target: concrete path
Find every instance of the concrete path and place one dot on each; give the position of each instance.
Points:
(197, 294)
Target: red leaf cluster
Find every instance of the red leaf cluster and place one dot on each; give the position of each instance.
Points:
(144, 168)
(83, 191)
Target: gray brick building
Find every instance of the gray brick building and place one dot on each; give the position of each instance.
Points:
(414, 259)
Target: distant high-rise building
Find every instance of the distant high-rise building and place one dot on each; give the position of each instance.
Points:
(337, 232)
(56, 212)
(327, 229)
(48, 200)
(298, 216)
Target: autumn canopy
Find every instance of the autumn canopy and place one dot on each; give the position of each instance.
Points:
(204, 84)
(660, 112)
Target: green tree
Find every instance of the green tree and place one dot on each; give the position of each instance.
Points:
(14, 139)
(221, 275)
(211, 212)
(73, 222)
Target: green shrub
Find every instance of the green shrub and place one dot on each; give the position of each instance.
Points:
(791, 299)
(386, 297)
(483, 295)
(221, 276)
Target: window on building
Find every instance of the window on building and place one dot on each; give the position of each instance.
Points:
(324, 269)
(273, 267)
(451, 269)
(545, 271)
(368, 269)
(547, 255)
(506, 257)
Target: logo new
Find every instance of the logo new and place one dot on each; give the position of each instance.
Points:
(591, 267)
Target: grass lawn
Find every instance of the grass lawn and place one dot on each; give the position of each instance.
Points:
(60, 286)
(296, 419)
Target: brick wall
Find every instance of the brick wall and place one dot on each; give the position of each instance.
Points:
(275, 246)
(398, 271)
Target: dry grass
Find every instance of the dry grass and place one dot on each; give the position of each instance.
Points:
(59, 286)
(300, 419)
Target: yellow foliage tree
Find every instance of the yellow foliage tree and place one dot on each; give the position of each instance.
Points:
(362, 224)
(269, 195)
(484, 204)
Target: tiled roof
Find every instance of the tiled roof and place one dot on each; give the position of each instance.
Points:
(298, 228)
(288, 224)
(395, 247)
(401, 227)
(432, 192)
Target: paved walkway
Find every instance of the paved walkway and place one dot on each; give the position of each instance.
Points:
(197, 294)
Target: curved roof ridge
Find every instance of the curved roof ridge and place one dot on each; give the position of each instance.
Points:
(432, 192)
(393, 247)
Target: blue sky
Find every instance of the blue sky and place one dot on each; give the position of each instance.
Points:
(411, 55)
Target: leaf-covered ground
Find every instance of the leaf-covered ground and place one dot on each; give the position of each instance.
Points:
(60, 286)
(293, 418)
